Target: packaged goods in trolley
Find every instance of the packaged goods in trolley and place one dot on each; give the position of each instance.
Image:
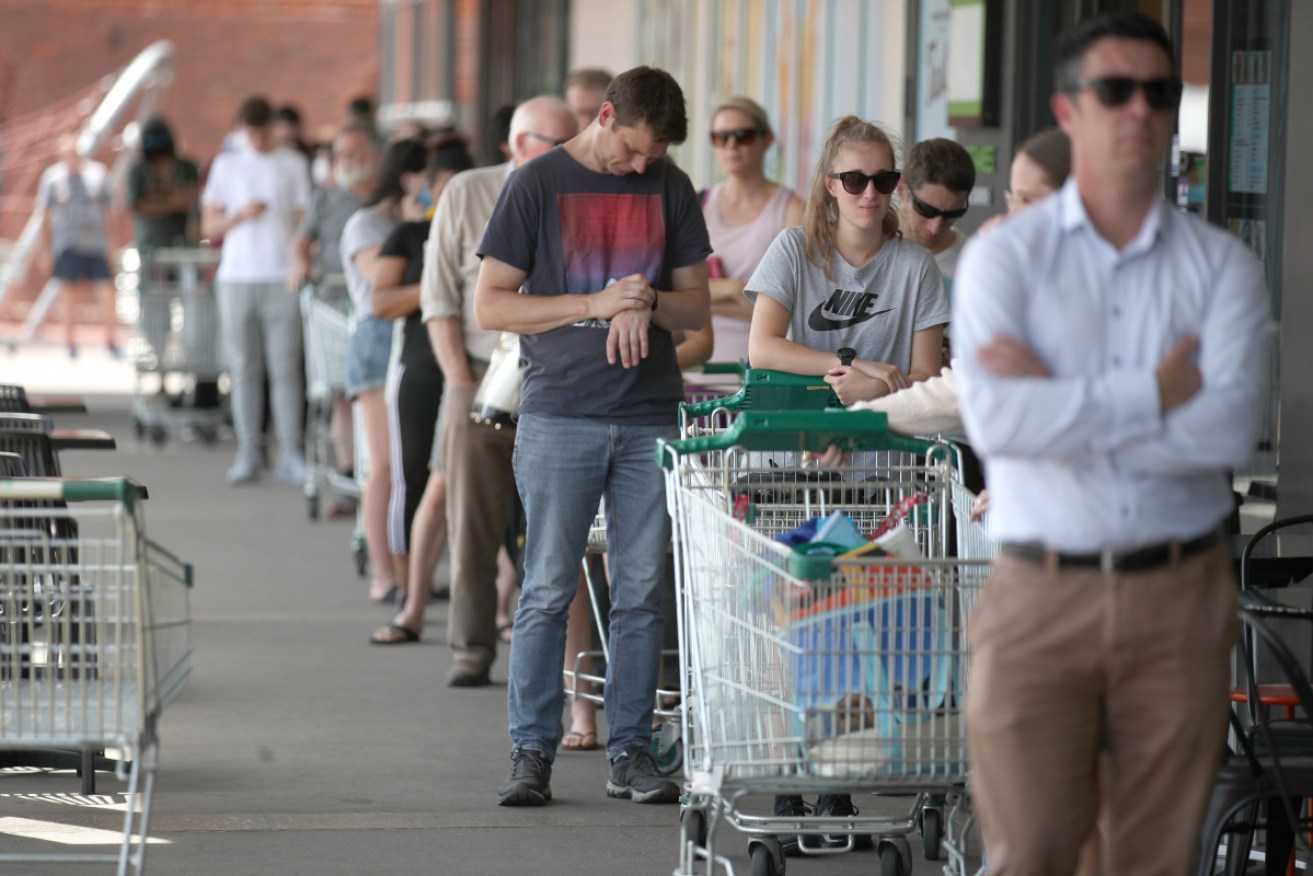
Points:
(95, 640)
(822, 628)
(178, 340)
(326, 326)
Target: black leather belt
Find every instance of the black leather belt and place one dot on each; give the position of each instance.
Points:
(1108, 561)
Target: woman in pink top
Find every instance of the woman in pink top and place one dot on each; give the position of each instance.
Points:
(744, 214)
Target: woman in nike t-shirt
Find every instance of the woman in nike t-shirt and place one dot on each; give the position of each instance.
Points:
(847, 278)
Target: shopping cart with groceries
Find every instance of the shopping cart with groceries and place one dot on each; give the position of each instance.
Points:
(95, 640)
(822, 632)
(177, 347)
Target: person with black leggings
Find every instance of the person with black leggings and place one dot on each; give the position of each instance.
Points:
(417, 523)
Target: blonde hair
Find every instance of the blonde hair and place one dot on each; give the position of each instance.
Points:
(749, 108)
(822, 212)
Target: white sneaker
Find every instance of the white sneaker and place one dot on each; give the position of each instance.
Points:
(291, 470)
(244, 470)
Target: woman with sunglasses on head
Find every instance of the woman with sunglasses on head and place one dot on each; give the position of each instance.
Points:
(846, 278)
(744, 213)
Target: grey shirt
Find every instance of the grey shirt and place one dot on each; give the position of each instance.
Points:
(367, 227)
(875, 309)
(324, 221)
(76, 204)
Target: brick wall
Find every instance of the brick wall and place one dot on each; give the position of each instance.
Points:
(316, 54)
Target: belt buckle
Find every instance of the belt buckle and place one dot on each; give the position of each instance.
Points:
(1107, 561)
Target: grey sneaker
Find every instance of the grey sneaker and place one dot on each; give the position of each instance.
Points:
(634, 774)
(244, 470)
(291, 470)
(529, 783)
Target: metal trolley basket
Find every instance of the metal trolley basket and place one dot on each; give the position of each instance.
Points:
(326, 326)
(95, 638)
(809, 669)
(177, 334)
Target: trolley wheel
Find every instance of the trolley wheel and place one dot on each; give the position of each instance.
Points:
(932, 833)
(158, 435)
(693, 823)
(88, 772)
(312, 507)
(138, 428)
(895, 861)
(209, 435)
(767, 857)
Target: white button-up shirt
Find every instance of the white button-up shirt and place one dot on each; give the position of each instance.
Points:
(1086, 459)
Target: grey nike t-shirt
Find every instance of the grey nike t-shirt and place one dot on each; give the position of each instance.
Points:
(875, 309)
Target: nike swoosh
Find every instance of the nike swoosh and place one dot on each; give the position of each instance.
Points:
(817, 321)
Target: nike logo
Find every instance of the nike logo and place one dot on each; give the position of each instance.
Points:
(844, 309)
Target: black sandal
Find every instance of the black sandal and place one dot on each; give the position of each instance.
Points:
(394, 634)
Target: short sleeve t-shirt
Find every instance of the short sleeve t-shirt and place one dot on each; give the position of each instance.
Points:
(573, 231)
(874, 309)
(146, 180)
(76, 204)
(330, 208)
(256, 251)
(367, 227)
(407, 242)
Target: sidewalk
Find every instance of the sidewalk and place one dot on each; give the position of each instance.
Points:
(297, 747)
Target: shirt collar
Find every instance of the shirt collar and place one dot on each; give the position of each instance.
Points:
(1072, 216)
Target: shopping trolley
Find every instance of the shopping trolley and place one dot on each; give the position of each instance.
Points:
(95, 638)
(326, 320)
(816, 668)
(177, 334)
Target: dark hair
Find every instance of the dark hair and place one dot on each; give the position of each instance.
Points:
(588, 77)
(1123, 25)
(939, 162)
(255, 112)
(288, 113)
(403, 156)
(157, 139)
(498, 134)
(451, 155)
(362, 106)
(651, 96)
(1050, 149)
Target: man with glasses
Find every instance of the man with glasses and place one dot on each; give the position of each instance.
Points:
(476, 457)
(1098, 701)
(605, 239)
(937, 180)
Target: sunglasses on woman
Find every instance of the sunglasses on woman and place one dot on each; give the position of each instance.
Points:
(742, 136)
(854, 182)
(1163, 93)
(931, 212)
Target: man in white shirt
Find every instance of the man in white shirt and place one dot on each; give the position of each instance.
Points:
(255, 199)
(1098, 697)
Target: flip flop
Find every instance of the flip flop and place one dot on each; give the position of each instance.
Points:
(389, 596)
(394, 634)
(581, 741)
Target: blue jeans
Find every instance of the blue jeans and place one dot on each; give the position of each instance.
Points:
(563, 467)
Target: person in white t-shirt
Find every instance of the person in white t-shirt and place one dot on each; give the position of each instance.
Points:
(255, 199)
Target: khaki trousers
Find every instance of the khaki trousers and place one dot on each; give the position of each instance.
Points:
(477, 460)
(1097, 709)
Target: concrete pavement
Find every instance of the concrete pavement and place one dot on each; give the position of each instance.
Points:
(297, 747)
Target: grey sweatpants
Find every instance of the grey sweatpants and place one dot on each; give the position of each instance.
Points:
(262, 330)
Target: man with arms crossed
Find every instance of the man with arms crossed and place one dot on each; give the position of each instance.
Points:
(476, 456)
(1098, 696)
(606, 238)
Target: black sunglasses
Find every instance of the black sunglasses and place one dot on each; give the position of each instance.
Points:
(930, 212)
(1163, 93)
(854, 182)
(743, 136)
